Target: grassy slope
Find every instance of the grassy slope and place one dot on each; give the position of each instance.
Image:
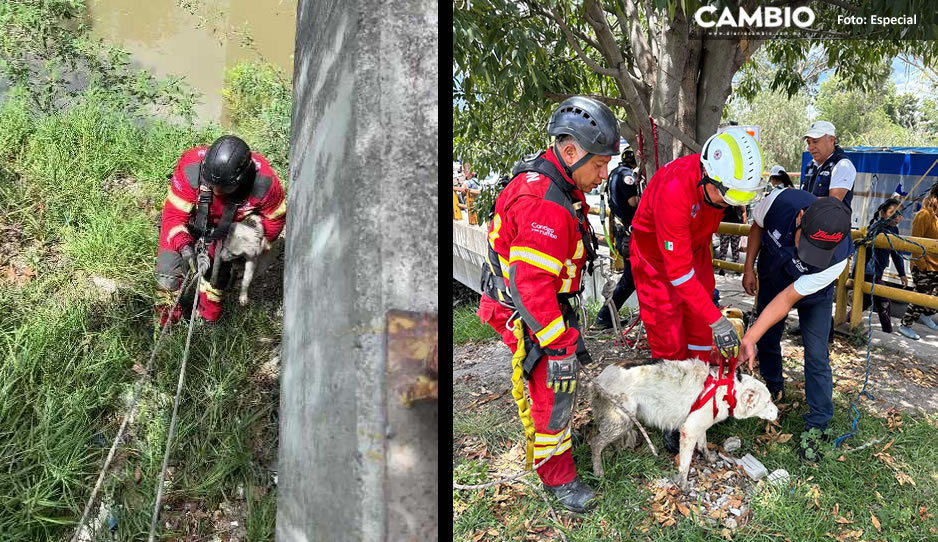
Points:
(66, 354)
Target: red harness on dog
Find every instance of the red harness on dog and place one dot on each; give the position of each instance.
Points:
(711, 385)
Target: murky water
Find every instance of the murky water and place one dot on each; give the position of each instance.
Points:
(199, 42)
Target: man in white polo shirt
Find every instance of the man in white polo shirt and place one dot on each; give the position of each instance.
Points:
(830, 172)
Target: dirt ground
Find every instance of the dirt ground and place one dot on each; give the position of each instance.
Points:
(897, 380)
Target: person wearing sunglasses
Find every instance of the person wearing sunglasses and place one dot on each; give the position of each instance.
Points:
(670, 251)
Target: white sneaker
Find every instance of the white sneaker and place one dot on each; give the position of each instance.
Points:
(909, 332)
(928, 322)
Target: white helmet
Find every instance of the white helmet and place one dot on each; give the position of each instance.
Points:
(732, 161)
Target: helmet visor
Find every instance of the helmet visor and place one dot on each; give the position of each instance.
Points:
(737, 197)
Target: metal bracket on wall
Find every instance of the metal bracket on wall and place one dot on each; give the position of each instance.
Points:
(412, 339)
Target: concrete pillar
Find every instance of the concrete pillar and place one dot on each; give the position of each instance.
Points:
(362, 239)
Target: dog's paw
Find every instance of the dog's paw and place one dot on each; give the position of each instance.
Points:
(243, 300)
(710, 456)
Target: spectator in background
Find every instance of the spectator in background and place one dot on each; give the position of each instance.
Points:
(734, 215)
(830, 172)
(924, 270)
(779, 178)
(880, 261)
(472, 181)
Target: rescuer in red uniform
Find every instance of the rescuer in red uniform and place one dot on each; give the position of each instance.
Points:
(211, 188)
(671, 237)
(539, 243)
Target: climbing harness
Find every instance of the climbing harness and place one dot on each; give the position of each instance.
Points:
(712, 384)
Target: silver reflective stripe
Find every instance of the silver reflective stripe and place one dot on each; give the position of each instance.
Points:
(682, 280)
(519, 304)
(698, 347)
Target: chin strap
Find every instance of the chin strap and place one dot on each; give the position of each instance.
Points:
(570, 169)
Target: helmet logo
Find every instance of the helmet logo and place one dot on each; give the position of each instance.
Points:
(717, 154)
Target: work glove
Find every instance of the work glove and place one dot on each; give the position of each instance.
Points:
(725, 337)
(561, 373)
(203, 263)
(188, 256)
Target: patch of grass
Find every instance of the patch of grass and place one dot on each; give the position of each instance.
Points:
(66, 353)
(489, 424)
(468, 328)
(865, 484)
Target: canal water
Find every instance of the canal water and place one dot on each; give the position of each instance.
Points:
(199, 39)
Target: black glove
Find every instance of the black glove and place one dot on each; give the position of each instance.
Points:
(725, 337)
(561, 374)
(188, 255)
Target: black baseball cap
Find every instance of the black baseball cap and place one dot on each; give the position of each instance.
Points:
(825, 223)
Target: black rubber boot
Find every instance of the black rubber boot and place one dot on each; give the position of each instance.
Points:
(672, 441)
(575, 496)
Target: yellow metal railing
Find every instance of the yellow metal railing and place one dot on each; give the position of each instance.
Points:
(845, 283)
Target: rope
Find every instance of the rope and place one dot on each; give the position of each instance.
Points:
(138, 387)
(654, 133)
(172, 423)
(608, 397)
(877, 228)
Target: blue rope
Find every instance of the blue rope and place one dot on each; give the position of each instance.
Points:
(875, 229)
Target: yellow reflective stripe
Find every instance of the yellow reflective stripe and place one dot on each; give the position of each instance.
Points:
(178, 202)
(544, 450)
(737, 156)
(211, 293)
(176, 230)
(504, 264)
(541, 439)
(278, 212)
(566, 285)
(571, 269)
(551, 331)
(579, 249)
(496, 225)
(536, 258)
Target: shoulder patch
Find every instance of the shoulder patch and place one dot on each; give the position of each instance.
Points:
(261, 186)
(192, 174)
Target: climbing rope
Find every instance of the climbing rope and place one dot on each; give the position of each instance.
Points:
(876, 228)
(172, 422)
(138, 387)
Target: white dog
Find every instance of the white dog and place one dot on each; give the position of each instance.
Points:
(661, 395)
(245, 240)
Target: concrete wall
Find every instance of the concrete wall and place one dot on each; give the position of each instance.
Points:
(362, 238)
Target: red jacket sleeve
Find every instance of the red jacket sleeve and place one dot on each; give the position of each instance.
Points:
(180, 204)
(673, 227)
(544, 233)
(273, 205)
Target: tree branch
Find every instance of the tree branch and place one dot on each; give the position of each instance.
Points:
(576, 46)
(679, 135)
(640, 45)
(618, 102)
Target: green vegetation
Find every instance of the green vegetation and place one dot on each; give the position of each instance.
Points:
(467, 327)
(82, 183)
(835, 496)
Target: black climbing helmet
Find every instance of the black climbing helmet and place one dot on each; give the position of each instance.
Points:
(590, 122)
(228, 165)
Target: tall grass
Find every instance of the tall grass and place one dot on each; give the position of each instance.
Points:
(85, 187)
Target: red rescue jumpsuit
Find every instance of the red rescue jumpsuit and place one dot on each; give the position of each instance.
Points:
(671, 236)
(265, 199)
(541, 253)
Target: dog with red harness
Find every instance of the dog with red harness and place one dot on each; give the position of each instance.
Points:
(684, 395)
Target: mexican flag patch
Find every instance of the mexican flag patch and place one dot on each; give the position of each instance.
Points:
(668, 245)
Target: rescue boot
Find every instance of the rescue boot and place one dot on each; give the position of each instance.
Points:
(672, 441)
(575, 496)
